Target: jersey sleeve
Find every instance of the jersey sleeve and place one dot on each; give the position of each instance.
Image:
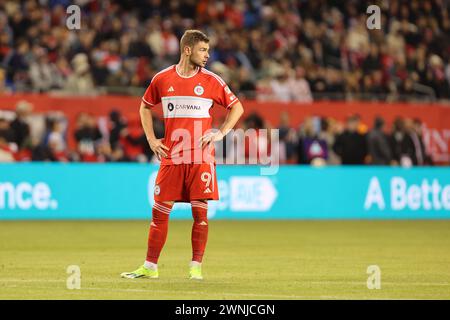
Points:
(224, 96)
(151, 96)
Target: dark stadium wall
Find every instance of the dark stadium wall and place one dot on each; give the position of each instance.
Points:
(435, 117)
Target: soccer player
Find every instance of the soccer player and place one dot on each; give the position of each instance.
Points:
(187, 92)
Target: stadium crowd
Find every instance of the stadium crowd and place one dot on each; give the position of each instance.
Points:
(293, 50)
(28, 136)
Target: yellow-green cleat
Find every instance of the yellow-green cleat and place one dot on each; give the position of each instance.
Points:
(141, 272)
(195, 272)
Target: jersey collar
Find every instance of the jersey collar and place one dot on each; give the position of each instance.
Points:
(176, 69)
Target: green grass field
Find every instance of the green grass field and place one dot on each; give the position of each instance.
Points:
(244, 260)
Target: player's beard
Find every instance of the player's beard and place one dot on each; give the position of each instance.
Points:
(195, 63)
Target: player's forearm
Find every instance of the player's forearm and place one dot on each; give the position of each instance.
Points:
(147, 122)
(232, 118)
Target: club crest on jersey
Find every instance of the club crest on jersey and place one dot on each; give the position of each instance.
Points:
(157, 189)
(199, 90)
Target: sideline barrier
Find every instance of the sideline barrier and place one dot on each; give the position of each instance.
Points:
(125, 191)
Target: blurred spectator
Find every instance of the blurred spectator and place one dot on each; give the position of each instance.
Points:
(255, 146)
(5, 131)
(351, 145)
(80, 82)
(42, 152)
(334, 84)
(396, 139)
(281, 87)
(44, 74)
(20, 127)
(415, 151)
(299, 87)
(247, 86)
(6, 154)
(317, 82)
(56, 140)
(372, 62)
(288, 140)
(311, 148)
(329, 129)
(419, 143)
(53, 145)
(436, 77)
(378, 144)
(17, 63)
(87, 134)
(3, 88)
(403, 149)
(134, 141)
(104, 152)
(418, 153)
(117, 123)
(118, 155)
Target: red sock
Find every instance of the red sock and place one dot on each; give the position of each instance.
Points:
(199, 235)
(158, 230)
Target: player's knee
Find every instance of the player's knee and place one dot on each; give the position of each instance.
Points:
(200, 219)
(160, 220)
(200, 212)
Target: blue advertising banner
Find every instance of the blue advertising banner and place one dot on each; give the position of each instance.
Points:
(125, 191)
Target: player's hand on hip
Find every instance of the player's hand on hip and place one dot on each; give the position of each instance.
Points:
(158, 148)
(213, 136)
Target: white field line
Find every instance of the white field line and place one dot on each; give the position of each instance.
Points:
(389, 283)
(327, 282)
(221, 294)
(243, 295)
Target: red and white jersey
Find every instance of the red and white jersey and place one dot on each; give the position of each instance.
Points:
(186, 103)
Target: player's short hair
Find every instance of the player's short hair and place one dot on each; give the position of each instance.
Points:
(191, 37)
